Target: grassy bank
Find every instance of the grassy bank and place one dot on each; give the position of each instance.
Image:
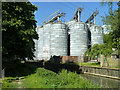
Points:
(10, 82)
(97, 64)
(35, 76)
(19, 69)
(47, 79)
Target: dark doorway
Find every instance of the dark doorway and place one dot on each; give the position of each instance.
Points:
(68, 52)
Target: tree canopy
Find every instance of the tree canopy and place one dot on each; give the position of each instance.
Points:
(18, 30)
(113, 19)
(97, 50)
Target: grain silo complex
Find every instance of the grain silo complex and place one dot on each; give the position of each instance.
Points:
(71, 38)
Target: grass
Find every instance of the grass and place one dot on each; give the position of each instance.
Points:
(35, 77)
(47, 79)
(10, 82)
(118, 66)
(0, 80)
(18, 69)
(89, 64)
(96, 64)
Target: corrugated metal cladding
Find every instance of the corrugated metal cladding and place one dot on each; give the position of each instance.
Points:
(78, 39)
(70, 22)
(36, 45)
(52, 41)
(96, 35)
(40, 44)
(58, 39)
(35, 53)
(46, 40)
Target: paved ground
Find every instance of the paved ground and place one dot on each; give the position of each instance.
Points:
(92, 61)
(19, 82)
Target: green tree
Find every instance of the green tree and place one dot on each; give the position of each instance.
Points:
(97, 50)
(107, 38)
(113, 19)
(18, 30)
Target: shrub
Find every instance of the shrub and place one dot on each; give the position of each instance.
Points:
(47, 79)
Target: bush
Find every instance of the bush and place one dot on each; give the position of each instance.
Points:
(45, 73)
(47, 79)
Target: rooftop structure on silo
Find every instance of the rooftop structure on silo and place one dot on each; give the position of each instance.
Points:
(53, 17)
(77, 14)
(92, 17)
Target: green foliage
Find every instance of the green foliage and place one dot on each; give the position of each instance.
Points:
(18, 30)
(43, 78)
(97, 50)
(105, 48)
(107, 38)
(47, 79)
(7, 83)
(45, 73)
(113, 19)
(18, 69)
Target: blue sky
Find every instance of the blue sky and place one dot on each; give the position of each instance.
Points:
(47, 8)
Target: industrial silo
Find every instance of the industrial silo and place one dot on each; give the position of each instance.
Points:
(70, 22)
(89, 35)
(78, 39)
(40, 43)
(36, 46)
(68, 25)
(46, 41)
(58, 39)
(96, 35)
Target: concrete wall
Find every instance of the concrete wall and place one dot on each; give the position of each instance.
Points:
(100, 71)
(109, 61)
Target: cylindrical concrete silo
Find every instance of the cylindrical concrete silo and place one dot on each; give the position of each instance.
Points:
(70, 22)
(78, 39)
(46, 41)
(58, 39)
(40, 44)
(96, 35)
(36, 46)
(68, 25)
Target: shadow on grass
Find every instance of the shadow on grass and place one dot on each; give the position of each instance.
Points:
(57, 67)
(24, 69)
(18, 69)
